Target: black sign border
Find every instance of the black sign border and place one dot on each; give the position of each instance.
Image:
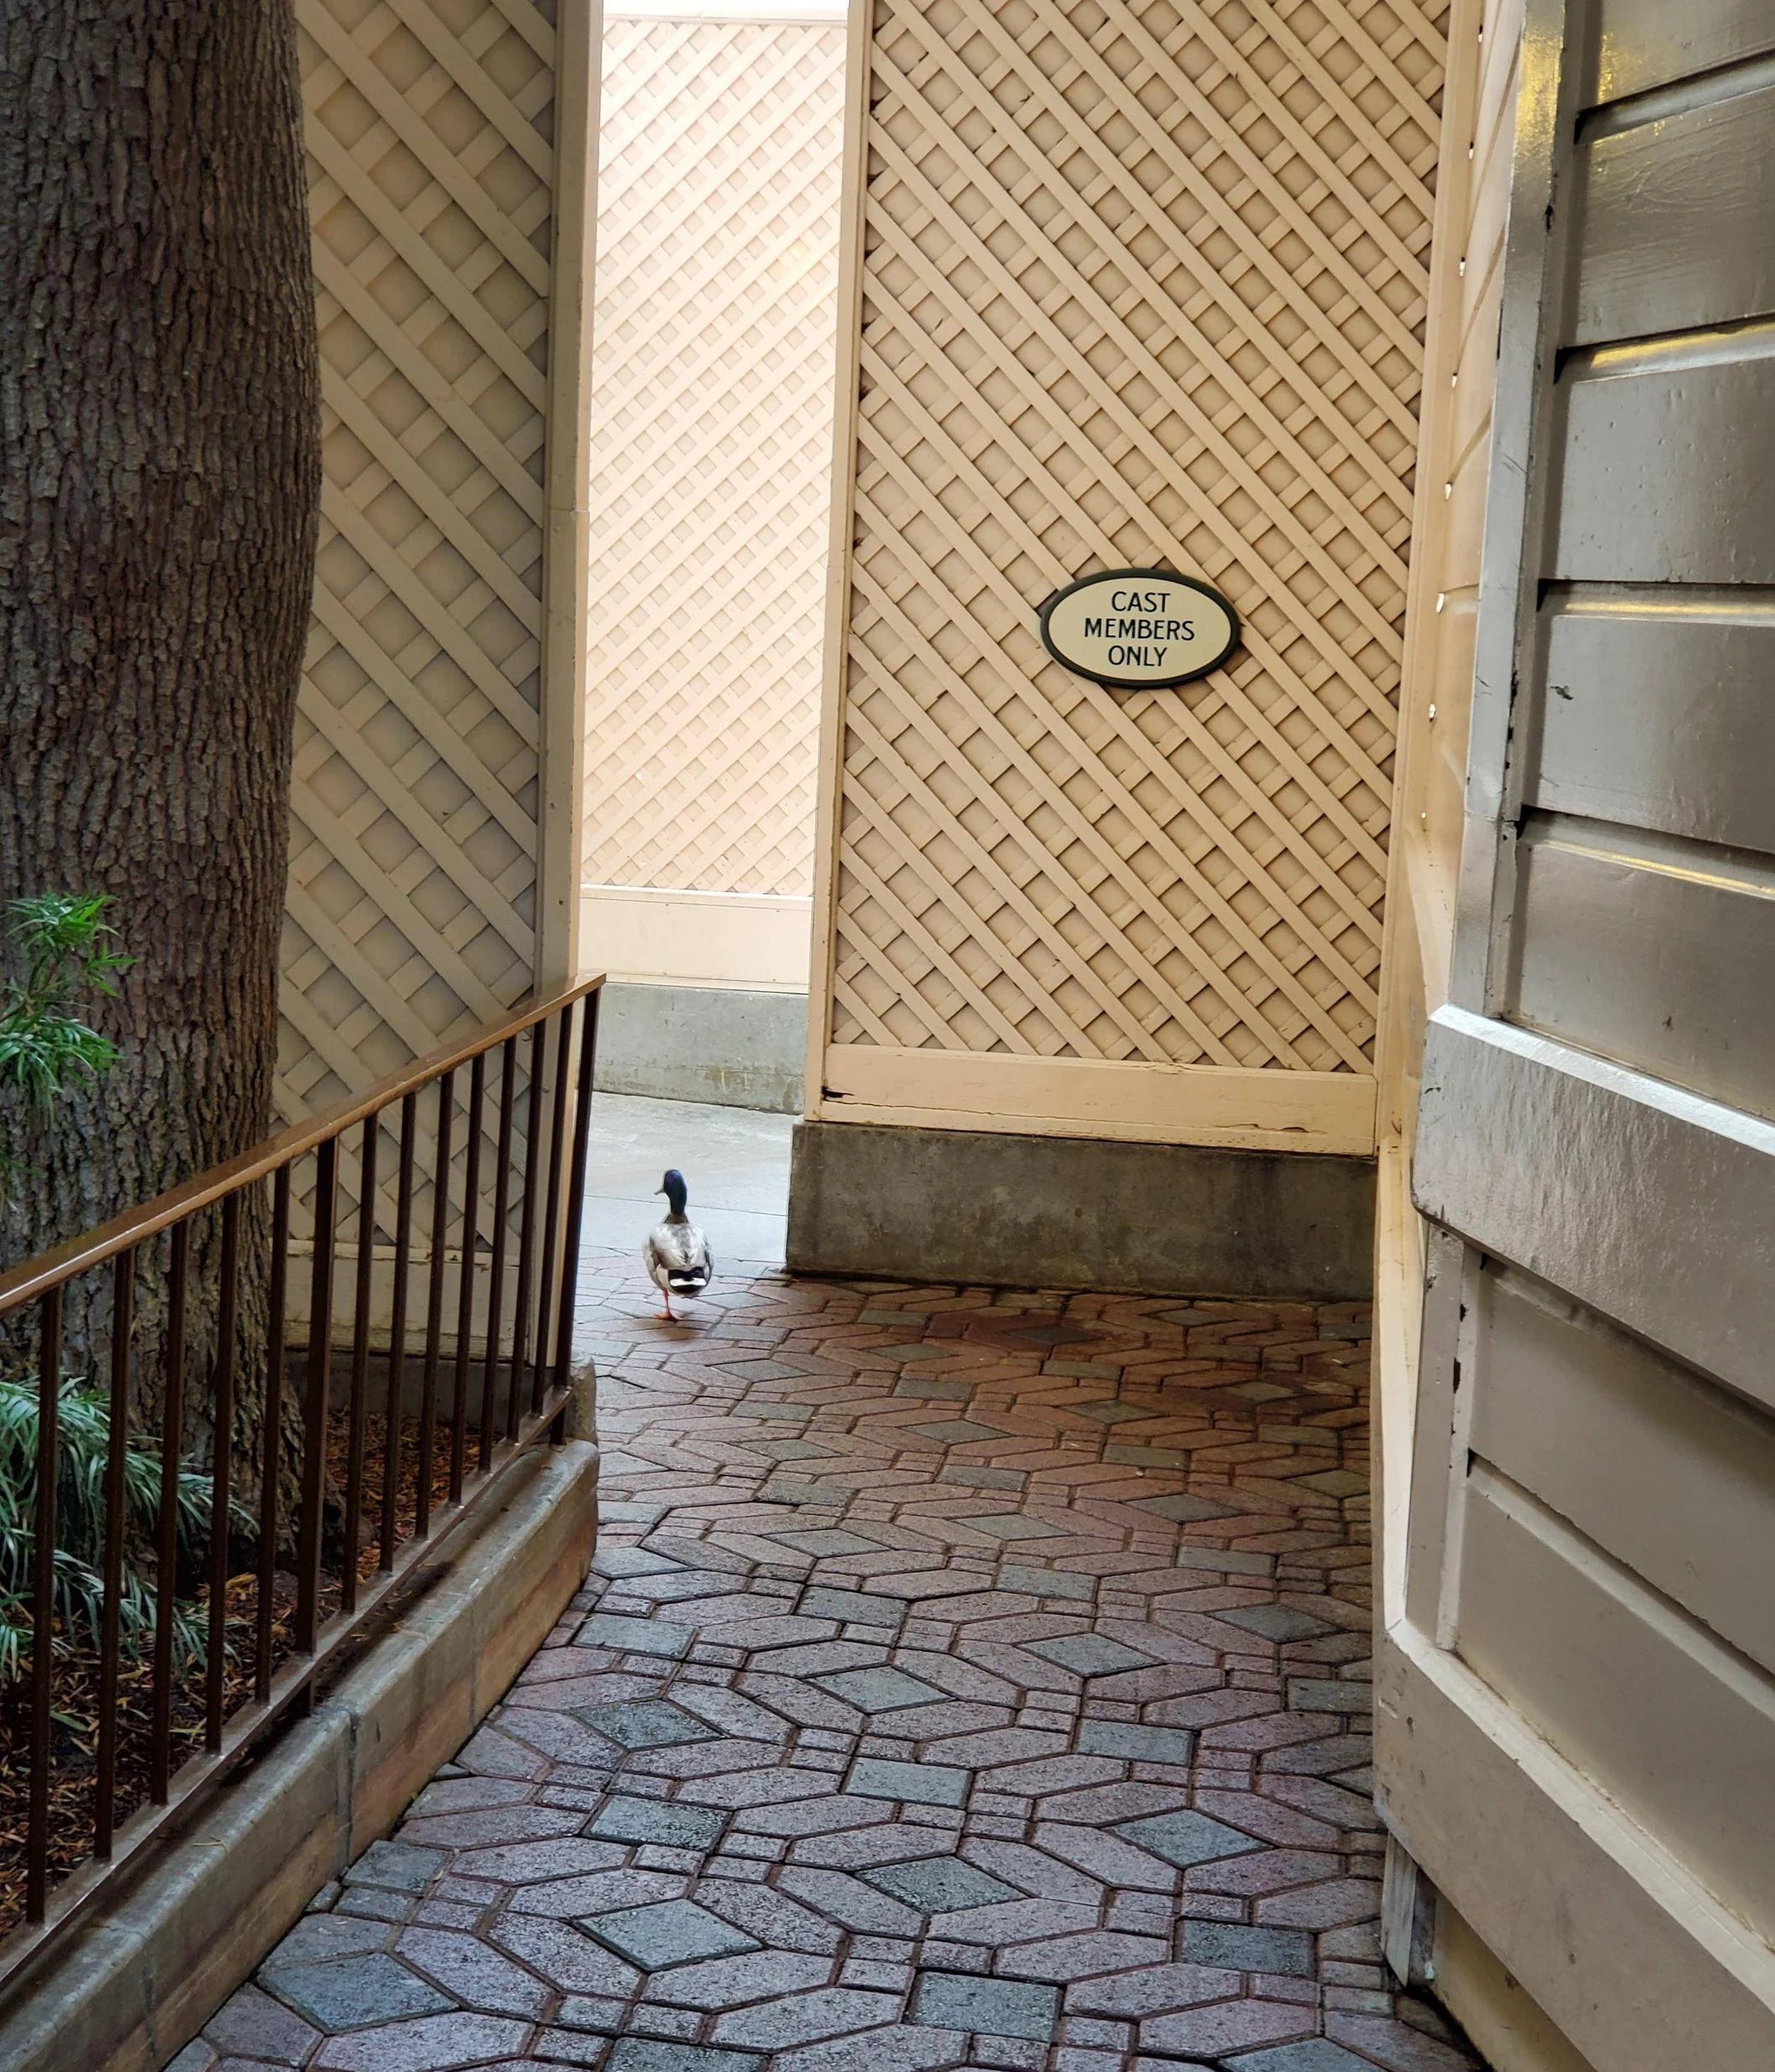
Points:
(1144, 683)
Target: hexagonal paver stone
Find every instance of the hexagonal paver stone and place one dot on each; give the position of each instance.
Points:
(1045, 1582)
(1186, 1838)
(620, 1562)
(832, 1540)
(958, 1432)
(1107, 1411)
(647, 1723)
(676, 1931)
(941, 1884)
(352, 1993)
(441, 2043)
(399, 1865)
(1136, 1744)
(645, 2054)
(651, 1820)
(878, 1690)
(1181, 1510)
(1288, 1951)
(318, 1935)
(1090, 1654)
(922, 1783)
(1015, 1525)
(807, 2017)
(1318, 2053)
(1328, 1694)
(251, 2024)
(1275, 1622)
(479, 1977)
(986, 2007)
(633, 1636)
(855, 1606)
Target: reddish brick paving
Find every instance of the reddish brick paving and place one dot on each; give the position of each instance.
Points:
(967, 1680)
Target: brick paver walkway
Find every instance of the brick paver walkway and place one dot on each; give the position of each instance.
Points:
(967, 1678)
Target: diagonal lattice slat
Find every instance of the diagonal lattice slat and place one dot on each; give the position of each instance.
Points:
(414, 836)
(1144, 283)
(712, 402)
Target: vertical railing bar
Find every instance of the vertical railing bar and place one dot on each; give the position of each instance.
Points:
(526, 1232)
(272, 1437)
(111, 1627)
(221, 1472)
(320, 1375)
(576, 1192)
(364, 1296)
(43, 1601)
(497, 1266)
(434, 1305)
(398, 1330)
(551, 1219)
(172, 1435)
(465, 1294)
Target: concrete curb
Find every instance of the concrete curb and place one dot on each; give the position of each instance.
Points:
(139, 1980)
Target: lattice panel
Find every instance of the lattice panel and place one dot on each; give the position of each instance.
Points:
(1144, 282)
(712, 444)
(413, 841)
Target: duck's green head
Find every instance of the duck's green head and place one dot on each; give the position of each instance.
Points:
(675, 1192)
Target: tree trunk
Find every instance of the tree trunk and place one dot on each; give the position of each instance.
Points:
(159, 487)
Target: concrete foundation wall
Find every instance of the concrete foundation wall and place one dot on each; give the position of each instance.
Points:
(1078, 1213)
(737, 1048)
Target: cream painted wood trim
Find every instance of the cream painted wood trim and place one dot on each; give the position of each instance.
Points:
(737, 939)
(847, 375)
(566, 584)
(1637, 1964)
(1072, 1096)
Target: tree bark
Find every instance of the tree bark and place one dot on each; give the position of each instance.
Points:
(159, 487)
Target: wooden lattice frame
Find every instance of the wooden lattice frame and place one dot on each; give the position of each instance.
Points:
(711, 428)
(414, 836)
(1141, 282)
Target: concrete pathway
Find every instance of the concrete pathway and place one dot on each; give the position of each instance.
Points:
(967, 1680)
(736, 1160)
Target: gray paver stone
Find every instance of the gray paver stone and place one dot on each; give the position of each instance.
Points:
(652, 1821)
(1288, 1951)
(1318, 2053)
(251, 2024)
(1275, 1622)
(352, 1992)
(941, 1884)
(676, 1931)
(400, 1866)
(922, 1783)
(985, 2006)
(878, 1689)
(1186, 1838)
(633, 1636)
(856, 1606)
(1090, 1654)
(441, 2043)
(1138, 1744)
(637, 2054)
(645, 1723)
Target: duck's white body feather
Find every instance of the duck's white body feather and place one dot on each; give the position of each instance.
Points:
(678, 1257)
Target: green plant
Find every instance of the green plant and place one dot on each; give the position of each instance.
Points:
(83, 1445)
(66, 947)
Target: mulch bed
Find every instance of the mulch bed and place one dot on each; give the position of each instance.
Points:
(74, 1782)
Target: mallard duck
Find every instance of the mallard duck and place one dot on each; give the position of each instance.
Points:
(678, 1257)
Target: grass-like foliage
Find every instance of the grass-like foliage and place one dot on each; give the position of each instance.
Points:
(67, 950)
(83, 1445)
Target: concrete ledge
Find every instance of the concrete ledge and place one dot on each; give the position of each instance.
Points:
(1018, 1212)
(145, 1973)
(736, 1048)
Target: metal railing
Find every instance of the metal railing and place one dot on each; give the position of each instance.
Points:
(456, 1359)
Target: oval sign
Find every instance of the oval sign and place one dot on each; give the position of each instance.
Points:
(1138, 629)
